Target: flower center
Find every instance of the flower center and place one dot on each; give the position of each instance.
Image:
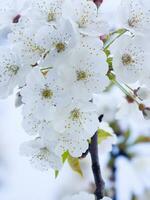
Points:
(75, 114)
(36, 48)
(13, 69)
(60, 47)
(133, 21)
(43, 154)
(82, 22)
(81, 75)
(47, 93)
(51, 17)
(127, 59)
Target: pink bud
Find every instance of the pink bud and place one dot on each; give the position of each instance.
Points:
(103, 38)
(98, 2)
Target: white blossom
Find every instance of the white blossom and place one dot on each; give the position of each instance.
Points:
(107, 103)
(85, 16)
(74, 114)
(46, 12)
(85, 75)
(135, 16)
(41, 154)
(57, 60)
(72, 140)
(12, 71)
(33, 124)
(25, 43)
(130, 58)
(83, 196)
(62, 40)
(42, 93)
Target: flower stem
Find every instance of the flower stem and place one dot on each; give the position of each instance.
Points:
(119, 33)
(100, 185)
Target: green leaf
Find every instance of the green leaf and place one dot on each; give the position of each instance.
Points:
(65, 156)
(127, 135)
(75, 164)
(103, 135)
(56, 173)
(142, 139)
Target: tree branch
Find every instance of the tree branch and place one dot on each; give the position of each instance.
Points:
(100, 185)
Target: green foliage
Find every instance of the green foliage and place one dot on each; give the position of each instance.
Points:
(75, 165)
(142, 139)
(65, 156)
(102, 135)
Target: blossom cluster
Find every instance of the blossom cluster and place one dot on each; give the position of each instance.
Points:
(58, 62)
(56, 59)
(131, 52)
(63, 58)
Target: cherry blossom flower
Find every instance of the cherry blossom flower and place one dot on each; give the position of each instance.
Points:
(12, 71)
(34, 125)
(130, 60)
(85, 16)
(135, 16)
(76, 114)
(62, 40)
(84, 196)
(45, 11)
(85, 75)
(41, 154)
(42, 93)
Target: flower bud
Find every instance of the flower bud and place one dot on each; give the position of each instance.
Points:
(129, 99)
(98, 2)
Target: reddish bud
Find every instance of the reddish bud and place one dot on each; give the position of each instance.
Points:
(16, 19)
(129, 99)
(103, 38)
(98, 2)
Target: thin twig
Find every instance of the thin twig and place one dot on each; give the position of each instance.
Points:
(100, 185)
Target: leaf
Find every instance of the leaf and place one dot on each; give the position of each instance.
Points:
(65, 156)
(142, 139)
(75, 164)
(56, 173)
(127, 135)
(103, 135)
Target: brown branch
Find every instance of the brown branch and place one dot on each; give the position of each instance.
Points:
(100, 185)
